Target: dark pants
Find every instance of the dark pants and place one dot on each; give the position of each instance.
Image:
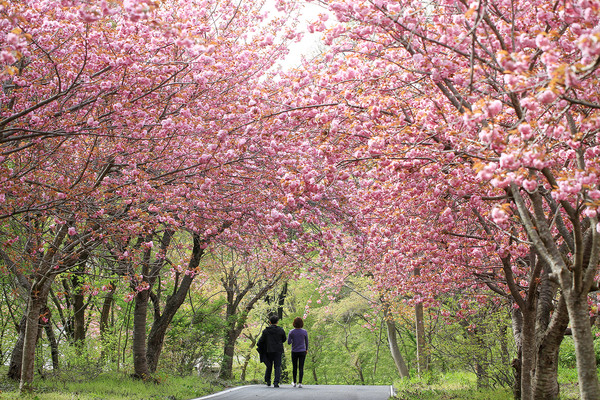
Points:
(273, 360)
(298, 358)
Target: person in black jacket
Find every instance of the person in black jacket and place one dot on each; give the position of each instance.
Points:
(270, 348)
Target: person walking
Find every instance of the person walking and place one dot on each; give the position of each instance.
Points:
(298, 338)
(270, 348)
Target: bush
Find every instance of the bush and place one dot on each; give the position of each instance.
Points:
(192, 341)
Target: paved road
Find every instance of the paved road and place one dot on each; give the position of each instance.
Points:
(308, 392)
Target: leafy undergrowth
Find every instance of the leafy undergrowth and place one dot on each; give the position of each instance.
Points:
(445, 387)
(462, 386)
(114, 386)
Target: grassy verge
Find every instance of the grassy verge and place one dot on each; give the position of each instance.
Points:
(447, 386)
(114, 386)
(462, 386)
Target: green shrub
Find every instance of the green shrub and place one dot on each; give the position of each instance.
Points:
(452, 385)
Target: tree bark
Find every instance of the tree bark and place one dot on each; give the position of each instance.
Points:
(53, 344)
(231, 337)
(422, 363)
(104, 318)
(140, 361)
(584, 347)
(236, 319)
(16, 358)
(545, 380)
(105, 313)
(393, 343)
(37, 300)
(281, 300)
(150, 271)
(517, 327)
(236, 322)
(528, 354)
(78, 312)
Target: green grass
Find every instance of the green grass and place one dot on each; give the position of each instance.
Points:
(113, 386)
(567, 379)
(447, 386)
(462, 386)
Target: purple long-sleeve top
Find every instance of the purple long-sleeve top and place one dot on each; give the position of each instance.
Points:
(298, 338)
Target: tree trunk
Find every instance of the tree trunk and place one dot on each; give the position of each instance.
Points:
(78, 314)
(233, 329)
(105, 313)
(16, 358)
(575, 277)
(140, 361)
(162, 321)
(517, 327)
(584, 346)
(53, 345)
(104, 318)
(37, 300)
(421, 343)
(393, 343)
(545, 380)
(228, 353)
(281, 300)
(247, 357)
(528, 354)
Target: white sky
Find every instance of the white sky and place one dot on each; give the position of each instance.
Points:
(308, 46)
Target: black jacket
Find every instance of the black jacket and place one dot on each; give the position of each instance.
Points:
(271, 340)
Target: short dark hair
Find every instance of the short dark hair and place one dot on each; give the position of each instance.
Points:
(298, 323)
(273, 319)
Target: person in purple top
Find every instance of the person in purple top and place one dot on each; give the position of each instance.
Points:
(298, 338)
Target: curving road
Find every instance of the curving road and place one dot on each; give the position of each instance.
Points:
(308, 392)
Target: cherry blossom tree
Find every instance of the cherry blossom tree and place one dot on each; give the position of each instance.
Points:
(466, 112)
(506, 90)
(113, 119)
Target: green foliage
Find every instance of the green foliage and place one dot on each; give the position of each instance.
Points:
(480, 342)
(192, 338)
(80, 363)
(348, 345)
(566, 355)
(451, 385)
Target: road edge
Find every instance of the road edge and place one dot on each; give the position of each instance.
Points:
(210, 396)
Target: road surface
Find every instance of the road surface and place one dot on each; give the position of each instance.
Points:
(308, 392)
